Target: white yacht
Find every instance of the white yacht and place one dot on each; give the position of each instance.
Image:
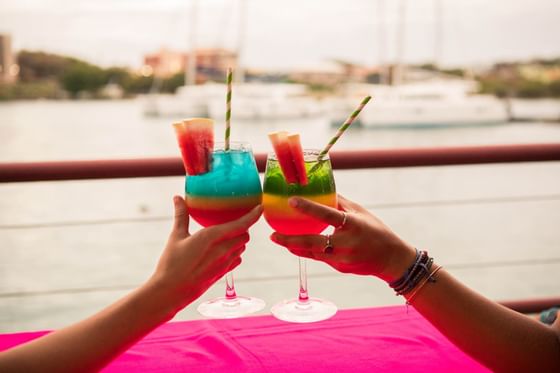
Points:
(438, 102)
(188, 101)
(268, 101)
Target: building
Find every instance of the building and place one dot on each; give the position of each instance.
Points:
(211, 63)
(8, 67)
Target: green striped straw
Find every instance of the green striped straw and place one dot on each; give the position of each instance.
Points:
(341, 130)
(228, 105)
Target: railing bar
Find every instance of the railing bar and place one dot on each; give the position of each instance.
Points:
(85, 222)
(348, 159)
(496, 264)
(473, 201)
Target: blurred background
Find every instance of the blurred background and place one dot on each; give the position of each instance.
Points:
(105, 79)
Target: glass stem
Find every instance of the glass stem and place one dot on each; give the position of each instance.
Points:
(303, 296)
(230, 287)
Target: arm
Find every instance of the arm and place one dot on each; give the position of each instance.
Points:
(189, 265)
(498, 337)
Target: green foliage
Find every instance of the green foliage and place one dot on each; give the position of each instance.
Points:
(429, 67)
(497, 87)
(30, 90)
(39, 65)
(139, 84)
(532, 89)
(171, 84)
(455, 72)
(518, 87)
(81, 76)
(554, 88)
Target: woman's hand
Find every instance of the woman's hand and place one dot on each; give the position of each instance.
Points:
(362, 245)
(190, 264)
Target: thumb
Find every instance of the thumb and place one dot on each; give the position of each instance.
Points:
(181, 220)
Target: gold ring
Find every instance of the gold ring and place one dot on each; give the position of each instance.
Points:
(344, 217)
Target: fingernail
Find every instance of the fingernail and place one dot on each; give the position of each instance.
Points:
(175, 199)
(293, 202)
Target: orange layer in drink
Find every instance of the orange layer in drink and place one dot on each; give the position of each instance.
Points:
(285, 219)
(209, 211)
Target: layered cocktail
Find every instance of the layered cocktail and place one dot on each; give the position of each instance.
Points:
(291, 171)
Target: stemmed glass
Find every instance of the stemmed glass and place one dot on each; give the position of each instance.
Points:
(228, 191)
(286, 220)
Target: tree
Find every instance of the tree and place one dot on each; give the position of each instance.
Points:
(81, 76)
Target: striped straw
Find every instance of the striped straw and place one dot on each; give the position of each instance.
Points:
(343, 128)
(228, 105)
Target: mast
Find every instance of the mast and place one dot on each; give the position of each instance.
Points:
(381, 48)
(438, 44)
(190, 71)
(240, 71)
(401, 30)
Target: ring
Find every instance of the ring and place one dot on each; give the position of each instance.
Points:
(344, 217)
(328, 249)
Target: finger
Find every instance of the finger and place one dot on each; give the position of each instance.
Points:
(232, 245)
(234, 264)
(324, 213)
(347, 205)
(239, 226)
(310, 250)
(312, 243)
(181, 220)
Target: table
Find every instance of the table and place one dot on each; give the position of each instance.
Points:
(385, 339)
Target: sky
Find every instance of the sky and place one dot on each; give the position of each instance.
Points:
(288, 34)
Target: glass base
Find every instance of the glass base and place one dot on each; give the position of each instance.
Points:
(223, 308)
(311, 311)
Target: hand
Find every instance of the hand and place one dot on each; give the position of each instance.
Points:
(190, 264)
(363, 245)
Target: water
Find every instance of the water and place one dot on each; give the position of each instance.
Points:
(70, 248)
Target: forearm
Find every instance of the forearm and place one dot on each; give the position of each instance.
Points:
(92, 343)
(498, 337)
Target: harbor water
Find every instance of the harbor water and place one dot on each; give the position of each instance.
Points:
(67, 249)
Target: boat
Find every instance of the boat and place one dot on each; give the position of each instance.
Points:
(418, 98)
(433, 103)
(188, 101)
(268, 101)
(535, 110)
(251, 101)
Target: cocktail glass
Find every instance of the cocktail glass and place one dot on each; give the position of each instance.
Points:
(286, 220)
(228, 191)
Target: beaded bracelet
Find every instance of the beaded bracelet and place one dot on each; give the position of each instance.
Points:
(400, 281)
(411, 272)
(414, 274)
(430, 278)
(423, 271)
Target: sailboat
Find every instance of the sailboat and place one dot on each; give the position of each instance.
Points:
(438, 100)
(190, 100)
(251, 101)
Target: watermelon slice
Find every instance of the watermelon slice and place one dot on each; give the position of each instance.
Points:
(283, 152)
(297, 158)
(196, 141)
(290, 156)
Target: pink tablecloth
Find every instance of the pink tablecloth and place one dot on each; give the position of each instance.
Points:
(362, 340)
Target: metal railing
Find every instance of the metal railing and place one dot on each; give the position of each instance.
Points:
(355, 159)
(342, 160)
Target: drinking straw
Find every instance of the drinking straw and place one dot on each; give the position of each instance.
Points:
(228, 105)
(343, 128)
